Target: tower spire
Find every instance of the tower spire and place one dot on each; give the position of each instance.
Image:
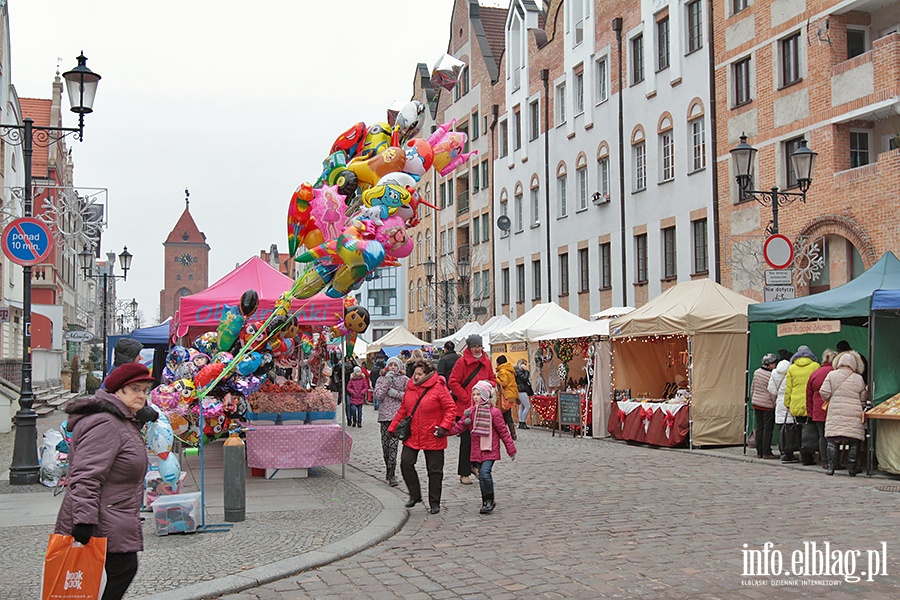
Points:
(187, 199)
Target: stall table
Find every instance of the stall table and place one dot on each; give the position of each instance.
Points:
(545, 407)
(657, 423)
(296, 446)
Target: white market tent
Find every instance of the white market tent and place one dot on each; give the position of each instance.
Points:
(697, 328)
(542, 319)
(493, 324)
(459, 337)
(398, 336)
(612, 312)
(485, 330)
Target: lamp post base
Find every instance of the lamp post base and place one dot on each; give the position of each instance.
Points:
(25, 469)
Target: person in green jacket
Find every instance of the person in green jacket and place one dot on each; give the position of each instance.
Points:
(803, 363)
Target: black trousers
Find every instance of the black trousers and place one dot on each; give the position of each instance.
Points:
(434, 465)
(765, 423)
(121, 567)
(465, 453)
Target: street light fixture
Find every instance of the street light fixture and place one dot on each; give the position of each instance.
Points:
(86, 260)
(803, 161)
(128, 311)
(462, 270)
(81, 84)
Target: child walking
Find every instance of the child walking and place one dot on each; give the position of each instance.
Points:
(357, 389)
(485, 421)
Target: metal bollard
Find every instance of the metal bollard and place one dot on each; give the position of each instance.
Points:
(235, 483)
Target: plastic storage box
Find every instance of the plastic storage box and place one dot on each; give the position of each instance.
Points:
(179, 513)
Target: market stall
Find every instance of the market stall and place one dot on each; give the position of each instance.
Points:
(678, 367)
(884, 419)
(395, 341)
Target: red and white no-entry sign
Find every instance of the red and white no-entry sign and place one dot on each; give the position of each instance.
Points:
(778, 251)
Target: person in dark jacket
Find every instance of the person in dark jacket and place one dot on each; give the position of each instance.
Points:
(428, 430)
(523, 382)
(107, 464)
(445, 364)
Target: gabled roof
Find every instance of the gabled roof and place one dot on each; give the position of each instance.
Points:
(490, 28)
(185, 231)
(38, 109)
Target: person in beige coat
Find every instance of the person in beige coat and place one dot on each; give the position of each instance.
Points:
(845, 392)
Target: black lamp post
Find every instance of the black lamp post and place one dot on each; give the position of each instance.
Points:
(803, 161)
(126, 313)
(86, 258)
(462, 269)
(81, 84)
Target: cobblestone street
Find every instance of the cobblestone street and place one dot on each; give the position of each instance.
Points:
(581, 518)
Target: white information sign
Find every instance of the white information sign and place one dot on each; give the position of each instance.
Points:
(773, 293)
(779, 277)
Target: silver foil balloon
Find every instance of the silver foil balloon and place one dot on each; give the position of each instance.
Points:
(446, 72)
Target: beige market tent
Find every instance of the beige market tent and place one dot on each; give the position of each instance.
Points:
(698, 329)
(398, 336)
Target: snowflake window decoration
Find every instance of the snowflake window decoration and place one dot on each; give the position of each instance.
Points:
(809, 261)
(747, 262)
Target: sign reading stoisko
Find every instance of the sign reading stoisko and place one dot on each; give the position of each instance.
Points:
(804, 327)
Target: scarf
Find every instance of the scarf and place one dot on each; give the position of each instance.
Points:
(482, 424)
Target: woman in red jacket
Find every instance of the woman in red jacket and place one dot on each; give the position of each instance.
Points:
(432, 418)
(472, 366)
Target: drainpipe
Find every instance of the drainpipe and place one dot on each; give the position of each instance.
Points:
(495, 113)
(545, 77)
(617, 27)
(713, 142)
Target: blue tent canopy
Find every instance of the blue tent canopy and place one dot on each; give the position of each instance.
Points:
(885, 299)
(157, 336)
(849, 300)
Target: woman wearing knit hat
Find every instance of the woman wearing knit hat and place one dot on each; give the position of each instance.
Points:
(487, 427)
(389, 390)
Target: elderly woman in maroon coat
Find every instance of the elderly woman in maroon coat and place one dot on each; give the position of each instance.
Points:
(107, 464)
(435, 414)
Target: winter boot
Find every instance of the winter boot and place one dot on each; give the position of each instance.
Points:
(832, 458)
(852, 469)
(487, 506)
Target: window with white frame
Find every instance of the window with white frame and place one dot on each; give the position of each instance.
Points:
(741, 82)
(788, 147)
(503, 213)
(701, 252)
(476, 183)
(694, 25)
(857, 42)
(476, 284)
(859, 148)
(790, 60)
(603, 178)
(450, 241)
(419, 301)
(605, 266)
(562, 206)
(485, 171)
(485, 284)
(584, 271)
(578, 99)
(698, 144)
(577, 19)
(601, 79)
(669, 259)
(476, 231)
(443, 243)
(517, 128)
(419, 249)
(637, 59)
(662, 44)
(739, 5)
(582, 175)
(519, 213)
(520, 283)
(504, 278)
(639, 151)
(667, 155)
(485, 227)
(428, 244)
(475, 123)
(640, 253)
(412, 297)
(536, 279)
(504, 139)
(535, 206)
(560, 104)
(534, 120)
(564, 274)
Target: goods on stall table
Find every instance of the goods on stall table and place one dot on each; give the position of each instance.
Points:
(889, 409)
(291, 402)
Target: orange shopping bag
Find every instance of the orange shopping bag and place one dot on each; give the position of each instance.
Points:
(73, 571)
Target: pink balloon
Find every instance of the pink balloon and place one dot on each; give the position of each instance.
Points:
(329, 211)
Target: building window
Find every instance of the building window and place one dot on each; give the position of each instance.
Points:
(605, 266)
(662, 44)
(485, 171)
(856, 42)
(561, 104)
(534, 120)
(579, 92)
(517, 128)
(535, 206)
(667, 150)
(637, 59)
(582, 176)
(564, 274)
(738, 5)
(536, 279)
(504, 139)
(640, 166)
(476, 231)
(603, 179)
(518, 209)
(859, 149)
(503, 211)
(520, 283)
(444, 195)
(485, 228)
(475, 132)
(504, 276)
(443, 243)
(741, 74)
(698, 145)
(419, 299)
(412, 297)
(578, 21)
(788, 148)
(562, 190)
(583, 271)
(602, 79)
(476, 184)
(476, 285)
(669, 258)
(701, 256)
(694, 25)
(790, 60)
(485, 284)
(640, 251)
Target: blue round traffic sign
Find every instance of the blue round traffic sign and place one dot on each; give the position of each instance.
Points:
(27, 241)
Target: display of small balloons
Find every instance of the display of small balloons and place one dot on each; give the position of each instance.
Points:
(249, 302)
(230, 327)
(206, 343)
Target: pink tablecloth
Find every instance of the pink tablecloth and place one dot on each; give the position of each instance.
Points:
(295, 446)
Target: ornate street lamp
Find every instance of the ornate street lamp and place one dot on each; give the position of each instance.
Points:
(86, 261)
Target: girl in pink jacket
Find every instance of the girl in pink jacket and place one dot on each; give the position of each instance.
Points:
(357, 388)
(485, 421)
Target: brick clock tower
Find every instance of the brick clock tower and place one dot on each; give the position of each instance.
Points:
(186, 262)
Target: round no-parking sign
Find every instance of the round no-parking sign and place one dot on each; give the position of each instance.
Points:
(27, 241)
(778, 251)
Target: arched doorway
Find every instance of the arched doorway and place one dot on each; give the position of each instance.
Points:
(829, 261)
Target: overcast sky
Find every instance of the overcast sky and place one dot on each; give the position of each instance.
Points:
(237, 101)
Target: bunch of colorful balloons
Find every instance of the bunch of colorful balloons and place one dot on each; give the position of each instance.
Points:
(353, 219)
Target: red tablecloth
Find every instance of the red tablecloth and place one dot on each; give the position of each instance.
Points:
(652, 423)
(296, 446)
(545, 406)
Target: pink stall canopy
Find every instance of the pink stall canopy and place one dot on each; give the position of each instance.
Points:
(202, 312)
